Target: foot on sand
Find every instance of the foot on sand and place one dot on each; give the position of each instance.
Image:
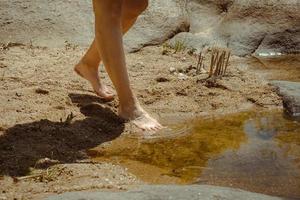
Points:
(91, 74)
(139, 117)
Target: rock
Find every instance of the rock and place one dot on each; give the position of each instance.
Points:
(161, 21)
(45, 163)
(243, 26)
(41, 91)
(161, 192)
(162, 79)
(172, 69)
(191, 41)
(182, 76)
(285, 42)
(290, 92)
(57, 23)
(46, 23)
(139, 65)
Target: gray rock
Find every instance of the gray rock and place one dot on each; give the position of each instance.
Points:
(161, 21)
(290, 92)
(191, 41)
(243, 26)
(46, 23)
(193, 192)
(51, 23)
(285, 42)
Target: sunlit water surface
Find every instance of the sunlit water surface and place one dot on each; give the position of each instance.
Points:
(254, 151)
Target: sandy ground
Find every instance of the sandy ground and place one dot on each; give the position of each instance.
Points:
(49, 117)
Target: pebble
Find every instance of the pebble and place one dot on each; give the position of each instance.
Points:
(182, 76)
(41, 91)
(172, 69)
(139, 65)
(162, 79)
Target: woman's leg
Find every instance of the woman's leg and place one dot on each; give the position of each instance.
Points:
(108, 31)
(89, 64)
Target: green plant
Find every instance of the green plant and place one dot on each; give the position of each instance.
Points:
(179, 46)
(165, 48)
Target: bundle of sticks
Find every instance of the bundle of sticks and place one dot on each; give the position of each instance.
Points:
(219, 61)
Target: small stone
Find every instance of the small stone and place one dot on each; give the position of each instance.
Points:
(203, 71)
(172, 69)
(18, 94)
(45, 163)
(182, 76)
(139, 65)
(192, 72)
(162, 79)
(41, 91)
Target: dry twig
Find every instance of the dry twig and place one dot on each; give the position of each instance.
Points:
(219, 62)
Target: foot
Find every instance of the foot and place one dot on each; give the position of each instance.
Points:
(91, 74)
(139, 117)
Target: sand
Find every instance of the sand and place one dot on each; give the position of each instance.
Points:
(49, 116)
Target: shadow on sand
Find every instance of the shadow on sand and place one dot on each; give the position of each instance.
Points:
(23, 145)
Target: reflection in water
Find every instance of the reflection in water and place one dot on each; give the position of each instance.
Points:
(254, 151)
(263, 163)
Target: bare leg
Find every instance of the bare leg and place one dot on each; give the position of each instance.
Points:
(108, 29)
(89, 64)
(88, 69)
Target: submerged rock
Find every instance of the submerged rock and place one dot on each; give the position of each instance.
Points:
(290, 92)
(193, 192)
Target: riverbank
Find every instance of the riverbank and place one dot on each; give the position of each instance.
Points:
(50, 118)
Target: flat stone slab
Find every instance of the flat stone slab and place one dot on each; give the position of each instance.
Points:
(290, 92)
(172, 192)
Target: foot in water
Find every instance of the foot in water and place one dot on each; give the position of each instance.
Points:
(91, 74)
(139, 117)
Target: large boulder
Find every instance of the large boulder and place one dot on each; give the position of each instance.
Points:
(46, 23)
(52, 23)
(161, 21)
(290, 92)
(194, 192)
(244, 26)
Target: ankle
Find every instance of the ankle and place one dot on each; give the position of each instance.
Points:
(84, 63)
(131, 110)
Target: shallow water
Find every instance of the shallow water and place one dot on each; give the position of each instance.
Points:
(255, 151)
